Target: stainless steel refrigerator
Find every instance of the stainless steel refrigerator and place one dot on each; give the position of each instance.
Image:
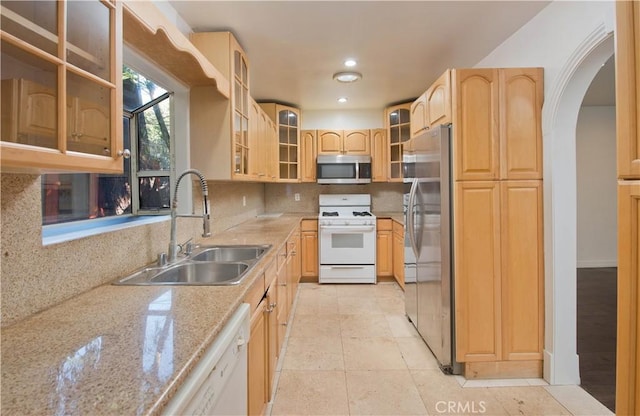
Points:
(429, 294)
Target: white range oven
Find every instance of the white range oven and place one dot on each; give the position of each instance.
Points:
(347, 239)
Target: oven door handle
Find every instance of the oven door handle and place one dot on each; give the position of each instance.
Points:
(348, 228)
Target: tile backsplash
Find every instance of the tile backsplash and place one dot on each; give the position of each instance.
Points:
(280, 197)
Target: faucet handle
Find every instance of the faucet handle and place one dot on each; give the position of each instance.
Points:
(162, 259)
(186, 247)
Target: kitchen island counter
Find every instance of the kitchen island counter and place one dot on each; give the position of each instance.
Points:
(125, 349)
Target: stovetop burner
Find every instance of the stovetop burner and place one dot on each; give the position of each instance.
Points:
(361, 214)
(330, 214)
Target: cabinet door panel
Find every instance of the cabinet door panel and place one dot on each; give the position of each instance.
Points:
(309, 246)
(628, 352)
(628, 88)
(521, 93)
(257, 363)
(477, 265)
(384, 253)
(475, 115)
(522, 270)
(356, 142)
(439, 101)
(398, 256)
(308, 151)
(418, 115)
(329, 141)
(379, 155)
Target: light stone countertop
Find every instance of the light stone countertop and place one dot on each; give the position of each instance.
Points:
(124, 350)
(394, 215)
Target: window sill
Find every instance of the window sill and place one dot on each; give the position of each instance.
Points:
(60, 233)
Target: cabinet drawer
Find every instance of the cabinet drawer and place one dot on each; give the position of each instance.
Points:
(309, 225)
(384, 225)
(255, 293)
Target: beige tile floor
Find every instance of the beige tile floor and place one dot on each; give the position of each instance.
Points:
(351, 351)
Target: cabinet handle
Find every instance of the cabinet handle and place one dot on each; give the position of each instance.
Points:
(293, 253)
(126, 153)
(283, 284)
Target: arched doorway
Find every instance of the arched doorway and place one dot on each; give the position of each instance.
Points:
(560, 114)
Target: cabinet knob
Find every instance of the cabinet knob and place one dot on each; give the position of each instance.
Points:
(126, 153)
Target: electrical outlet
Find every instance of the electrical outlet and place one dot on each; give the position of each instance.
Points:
(244, 201)
(296, 197)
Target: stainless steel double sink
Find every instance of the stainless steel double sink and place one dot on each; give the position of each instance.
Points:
(215, 265)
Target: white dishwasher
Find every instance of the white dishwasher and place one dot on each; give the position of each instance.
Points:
(218, 384)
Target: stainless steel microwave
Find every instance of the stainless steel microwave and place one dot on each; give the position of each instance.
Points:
(343, 169)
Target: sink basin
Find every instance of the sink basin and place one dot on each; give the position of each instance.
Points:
(229, 253)
(209, 273)
(207, 265)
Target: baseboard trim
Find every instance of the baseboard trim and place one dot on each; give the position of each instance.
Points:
(597, 263)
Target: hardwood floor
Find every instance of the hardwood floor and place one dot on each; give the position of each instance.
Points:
(597, 305)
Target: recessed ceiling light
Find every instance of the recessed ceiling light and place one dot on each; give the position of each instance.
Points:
(342, 99)
(347, 76)
(350, 62)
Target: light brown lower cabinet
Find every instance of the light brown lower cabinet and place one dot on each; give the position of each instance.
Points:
(499, 277)
(282, 313)
(628, 350)
(398, 253)
(384, 248)
(273, 350)
(257, 362)
(309, 249)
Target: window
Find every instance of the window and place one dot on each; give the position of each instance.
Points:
(145, 185)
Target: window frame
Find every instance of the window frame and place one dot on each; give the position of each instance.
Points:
(135, 173)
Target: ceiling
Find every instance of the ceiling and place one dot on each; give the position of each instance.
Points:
(295, 47)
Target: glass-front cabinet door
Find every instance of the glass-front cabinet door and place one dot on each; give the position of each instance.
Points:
(61, 85)
(398, 131)
(241, 113)
(288, 138)
(287, 120)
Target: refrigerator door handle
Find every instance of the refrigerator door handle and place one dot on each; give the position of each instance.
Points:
(410, 217)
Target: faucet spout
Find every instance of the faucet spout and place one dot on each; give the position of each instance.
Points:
(206, 228)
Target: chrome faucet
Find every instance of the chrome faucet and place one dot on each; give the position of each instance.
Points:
(206, 232)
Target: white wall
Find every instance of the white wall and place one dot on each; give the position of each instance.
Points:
(596, 173)
(571, 41)
(342, 120)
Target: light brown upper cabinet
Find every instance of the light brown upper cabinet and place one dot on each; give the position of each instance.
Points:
(350, 142)
(419, 122)
(398, 125)
(379, 155)
(308, 152)
(497, 123)
(220, 127)
(627, 93)
(356, 142)
(438, 98)
(41, 78)
(262, 137)
(287, 120)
